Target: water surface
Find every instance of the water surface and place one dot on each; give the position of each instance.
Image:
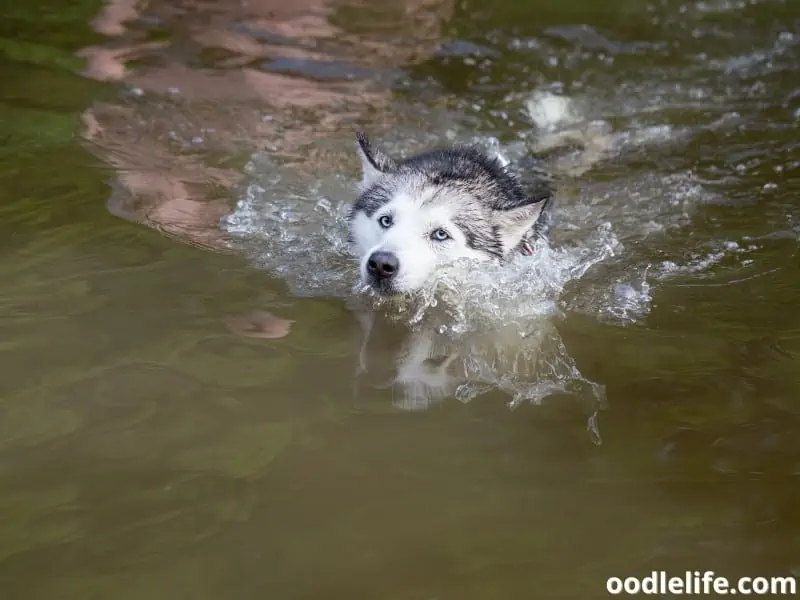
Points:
(170, 168)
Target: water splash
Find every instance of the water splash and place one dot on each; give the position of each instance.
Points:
(292, 226)
(493, 328)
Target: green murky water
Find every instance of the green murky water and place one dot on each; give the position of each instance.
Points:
(148, 451)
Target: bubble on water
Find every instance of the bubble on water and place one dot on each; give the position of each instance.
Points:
(630, 301)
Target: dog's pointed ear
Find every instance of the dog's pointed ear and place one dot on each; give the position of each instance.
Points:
(513, 224)
(374, 162)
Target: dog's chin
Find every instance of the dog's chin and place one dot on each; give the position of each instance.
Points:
(383, 288)
(387, 288)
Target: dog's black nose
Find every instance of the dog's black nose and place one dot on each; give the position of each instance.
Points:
(382, 265)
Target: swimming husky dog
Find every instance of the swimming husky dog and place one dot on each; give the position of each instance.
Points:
(415, 216)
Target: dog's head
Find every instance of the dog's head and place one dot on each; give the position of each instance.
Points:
(415, 216)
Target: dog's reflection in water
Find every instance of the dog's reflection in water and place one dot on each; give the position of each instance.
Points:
(427, 373)
(431, 364)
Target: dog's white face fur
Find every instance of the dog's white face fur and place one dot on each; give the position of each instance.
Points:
(417, 225)
(415, 217)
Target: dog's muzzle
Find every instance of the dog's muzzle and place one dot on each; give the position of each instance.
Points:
(382, 268)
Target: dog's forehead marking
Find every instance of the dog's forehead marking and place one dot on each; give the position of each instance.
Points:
(426, 198)
(413, 195)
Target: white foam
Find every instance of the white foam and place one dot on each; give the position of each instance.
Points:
(549, 111)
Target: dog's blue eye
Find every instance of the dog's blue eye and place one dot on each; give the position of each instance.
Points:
(440, 235)
(385, 221)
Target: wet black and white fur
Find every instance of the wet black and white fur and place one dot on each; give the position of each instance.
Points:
(416, 215)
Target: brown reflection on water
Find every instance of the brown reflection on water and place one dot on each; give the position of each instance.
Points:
(202, 91)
